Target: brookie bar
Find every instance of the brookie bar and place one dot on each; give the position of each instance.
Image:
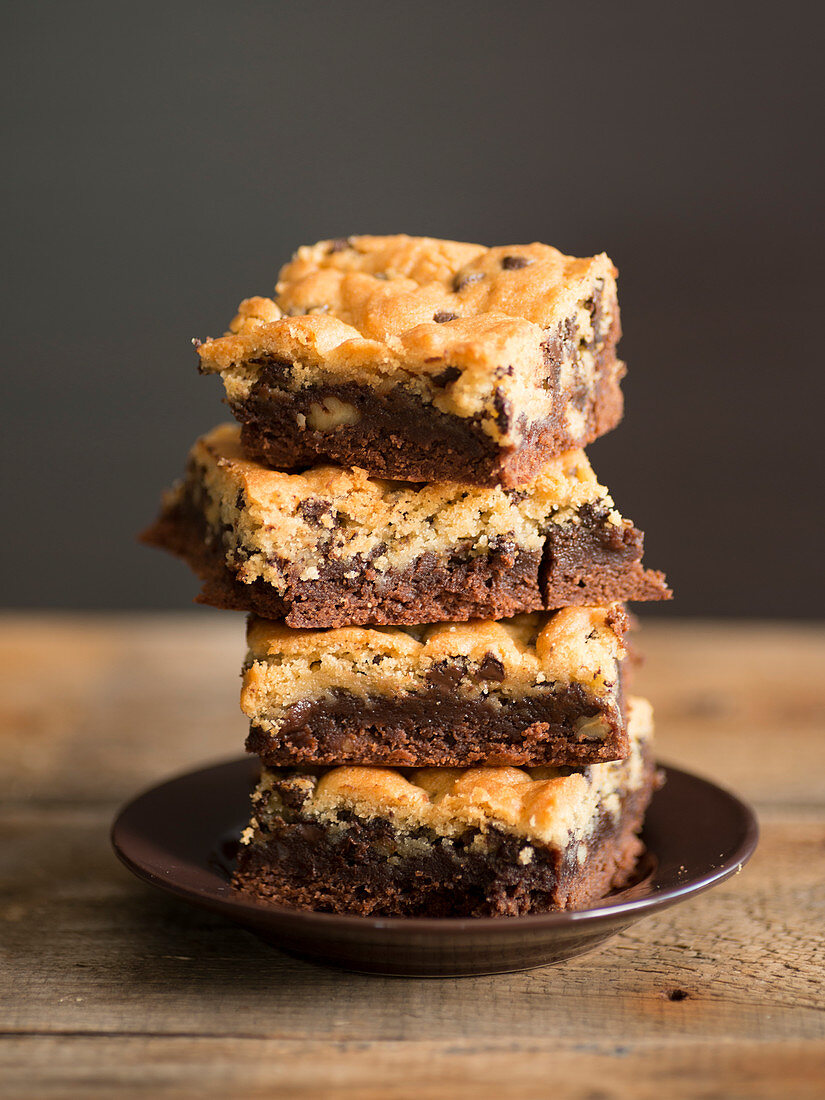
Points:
(410, 357)
(535, 689)
(331, 546)
(448, 841)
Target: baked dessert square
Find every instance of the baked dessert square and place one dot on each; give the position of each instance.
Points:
(334, 547)
(442, 842)
(542, 688)
(409, 357)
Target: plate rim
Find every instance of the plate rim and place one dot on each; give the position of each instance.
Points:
(237, 904)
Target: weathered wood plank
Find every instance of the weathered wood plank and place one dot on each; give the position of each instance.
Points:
(742, 702)
(98, 707)
(52, 1068)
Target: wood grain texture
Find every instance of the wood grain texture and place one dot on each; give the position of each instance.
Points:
(109, 988)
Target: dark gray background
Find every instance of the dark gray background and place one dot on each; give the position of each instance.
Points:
(163, 160)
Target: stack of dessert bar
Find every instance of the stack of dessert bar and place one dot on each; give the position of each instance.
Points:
(435, 579)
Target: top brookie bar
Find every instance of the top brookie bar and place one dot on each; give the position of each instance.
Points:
(333, 547)
(412, 358)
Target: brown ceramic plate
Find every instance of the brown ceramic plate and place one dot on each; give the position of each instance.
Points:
(181, 836)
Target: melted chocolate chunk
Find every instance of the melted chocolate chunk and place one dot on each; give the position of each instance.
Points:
(340, 244)
(504, 409)
(445, 377)
(275, 373)
(559, 344)
(312, 509)
(444, 676)
(310, 833)
(292, 797)
(297, 716)
(491, 668)
(596, 309)
(513, 263)
(443, 316)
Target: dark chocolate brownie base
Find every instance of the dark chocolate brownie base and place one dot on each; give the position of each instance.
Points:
(305, 866)
(589, 564)
(437, 728)
(594, 562)
(398, 436)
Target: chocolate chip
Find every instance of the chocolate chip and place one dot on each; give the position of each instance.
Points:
(293, 797)
(462, 280)
(491, 668)
(595, 306)
(512, 263)
(297, 716)
(239, 501)
(443, 316)
(274, 374)
(340, 244)
(560, 343)
(445, 377)
(312, 509)
(504, 409)
(444, 676)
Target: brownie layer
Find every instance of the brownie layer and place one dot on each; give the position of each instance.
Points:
(437, 728)
(592, 561)
(396, 435)
(359, 868)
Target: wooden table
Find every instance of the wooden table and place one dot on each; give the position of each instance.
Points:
(110, 988)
